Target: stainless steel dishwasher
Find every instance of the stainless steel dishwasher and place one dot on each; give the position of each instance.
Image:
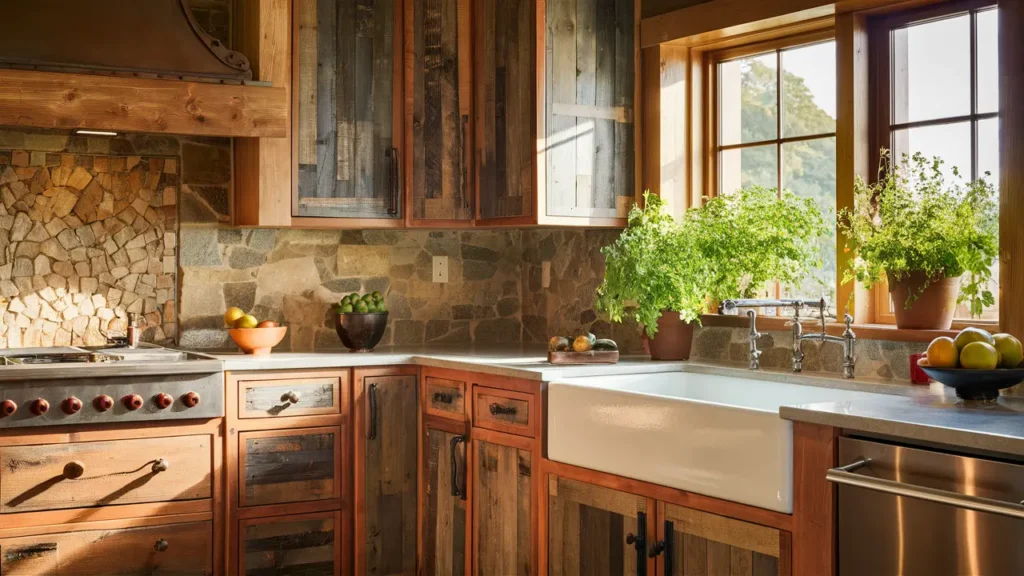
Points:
(916, 512)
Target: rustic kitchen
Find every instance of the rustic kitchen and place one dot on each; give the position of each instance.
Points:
(511, 287)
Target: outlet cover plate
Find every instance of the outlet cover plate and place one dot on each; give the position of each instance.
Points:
(440, 274)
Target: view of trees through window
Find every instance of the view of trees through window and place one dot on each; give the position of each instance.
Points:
(778, 131)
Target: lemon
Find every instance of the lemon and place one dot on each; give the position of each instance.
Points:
(232, 316)
(968, 335)
(979, 356)
(246, 321)
(1010, 348)
(943, 353)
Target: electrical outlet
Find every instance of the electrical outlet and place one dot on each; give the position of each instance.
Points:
(545, 274)
(441, 269)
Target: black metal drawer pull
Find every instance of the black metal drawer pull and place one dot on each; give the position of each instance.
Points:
(497, 409)
(456, 489)
(373, 411)
(444, 397)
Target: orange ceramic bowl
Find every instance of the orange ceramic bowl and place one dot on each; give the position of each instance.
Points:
(257, 341)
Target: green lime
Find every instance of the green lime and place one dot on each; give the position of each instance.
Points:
(346, 309)
(353, 297)
(361, 307)
(378, 296)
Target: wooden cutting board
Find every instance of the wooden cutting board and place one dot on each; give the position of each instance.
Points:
(590, 357)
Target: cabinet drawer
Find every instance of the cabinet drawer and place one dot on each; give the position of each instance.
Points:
(83, 474)
(504, 411)
(303, 544)
(301, 465)
(445, 397)
(178, 549)
(290, 397)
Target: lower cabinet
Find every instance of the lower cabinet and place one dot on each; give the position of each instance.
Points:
(503, 510)
(307, 544)
(445, 517)
(696, 542)
(178, 549)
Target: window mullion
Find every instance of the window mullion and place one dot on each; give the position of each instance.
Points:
(974, 94)
(779, 111)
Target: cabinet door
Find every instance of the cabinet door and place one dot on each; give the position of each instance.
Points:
(348, 129)
(695, 542)
(386, 488)
(440, 102)
(445, 519)
(595, 530)
(589, 93)
(308, 544)
(502, 506)
(282, 466)
(504, 83)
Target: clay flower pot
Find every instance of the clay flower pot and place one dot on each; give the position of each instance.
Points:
(673, 340)
(932, 310)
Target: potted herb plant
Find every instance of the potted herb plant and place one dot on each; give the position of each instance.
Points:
(654, 274)
(933, 238)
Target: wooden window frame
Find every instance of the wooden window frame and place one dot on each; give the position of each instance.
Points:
(883, 124)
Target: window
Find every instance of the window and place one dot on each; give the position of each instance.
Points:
(775, 126)
(939, 95)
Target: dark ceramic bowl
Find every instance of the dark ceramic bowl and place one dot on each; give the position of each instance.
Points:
(360, 332)
(976, 384)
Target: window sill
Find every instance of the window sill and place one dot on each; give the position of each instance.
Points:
(863, 331)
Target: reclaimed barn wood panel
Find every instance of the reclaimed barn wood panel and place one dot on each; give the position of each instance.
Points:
(589, 87)
(445, 398)
(587, 528)
(346, 117)
(505, 411)
(440, 111)
(274, 398)
(390, 468)
(711, 545)
(85, 474)
(295, 545)
(278, 467)
(504, 88)
(501, 509)
(445, 521)
(178, 549)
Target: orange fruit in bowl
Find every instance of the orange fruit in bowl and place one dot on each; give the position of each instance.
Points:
(943, 353)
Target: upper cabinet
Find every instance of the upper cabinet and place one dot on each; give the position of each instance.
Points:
(348, 113)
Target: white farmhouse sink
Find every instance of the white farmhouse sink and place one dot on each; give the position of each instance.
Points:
(715, 435)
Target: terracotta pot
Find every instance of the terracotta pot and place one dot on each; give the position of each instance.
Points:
(932, 310)
(673, 340)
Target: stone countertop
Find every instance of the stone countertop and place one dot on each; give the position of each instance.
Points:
(929, 414)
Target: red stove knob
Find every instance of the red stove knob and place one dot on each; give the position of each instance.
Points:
(190, 400)
(102, 403)
(133, 401)
(163, 401)
(39, 406)
(7, 408)
(71, 405)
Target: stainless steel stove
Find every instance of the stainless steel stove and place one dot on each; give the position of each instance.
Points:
(67, 386)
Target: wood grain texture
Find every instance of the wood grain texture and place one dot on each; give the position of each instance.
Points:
(115, 472)
(444, 398)
(307, 545)
(188, 552)
(290, 466)
(270, 398)
(735, 533)
(814, 499)
(1011, 165)
(505, 411)
(445, 524)
(703, 544)
(306, 39)
(502, 509)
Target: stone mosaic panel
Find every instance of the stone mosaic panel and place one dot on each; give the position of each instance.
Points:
(86, 240)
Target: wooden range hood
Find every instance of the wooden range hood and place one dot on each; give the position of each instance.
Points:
(128, 66)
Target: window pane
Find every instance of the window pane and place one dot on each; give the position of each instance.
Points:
(951, 142)
(809, 170)
(748, 99)
(931, 68)
(988, 150)
(754, 166)
(988, 61)
(809, 90)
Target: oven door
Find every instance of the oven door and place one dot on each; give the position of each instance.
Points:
(912, 512)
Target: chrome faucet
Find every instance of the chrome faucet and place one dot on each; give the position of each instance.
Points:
(731, 307)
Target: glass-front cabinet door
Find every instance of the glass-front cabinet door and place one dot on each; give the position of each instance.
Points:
(348, 113)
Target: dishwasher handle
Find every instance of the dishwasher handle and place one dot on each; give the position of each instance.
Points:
(846, 475)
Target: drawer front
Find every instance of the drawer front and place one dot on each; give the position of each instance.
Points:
(178, 549)
(445, 398)
(289, 466)
(85, 474)
(504, 411)
(291, 397)
(305, 544)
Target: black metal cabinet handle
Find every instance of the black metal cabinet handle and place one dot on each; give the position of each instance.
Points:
(497, 409)
(656, 549)
(373, 411)
(456, 490)
(669, 538)
(465, 163)
(639, 543)
(396, 182)
(444, 398)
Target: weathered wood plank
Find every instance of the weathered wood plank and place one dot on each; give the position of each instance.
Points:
(501, 489)
(260, 399)
(615, 501)
(305, 547)
(624, 165)
(364, 98)
(306, 11)
(445, 396)
(586, 95)
(444, 531)
(719, 558)
(726, 530)
(346, 104)
(764, 565)
(327, 86)
(740, 561)
(560, 85)
(603, 192)
(288, 468)
(695, 561)
(486, 76)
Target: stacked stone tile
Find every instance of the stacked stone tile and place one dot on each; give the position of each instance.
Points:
(84, 241)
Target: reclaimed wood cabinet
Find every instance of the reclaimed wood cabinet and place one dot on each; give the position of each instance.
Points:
(386, 422)
(306, 544)
(348, 112)
(503, 504)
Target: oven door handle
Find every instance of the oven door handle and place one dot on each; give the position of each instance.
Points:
(846, 475)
